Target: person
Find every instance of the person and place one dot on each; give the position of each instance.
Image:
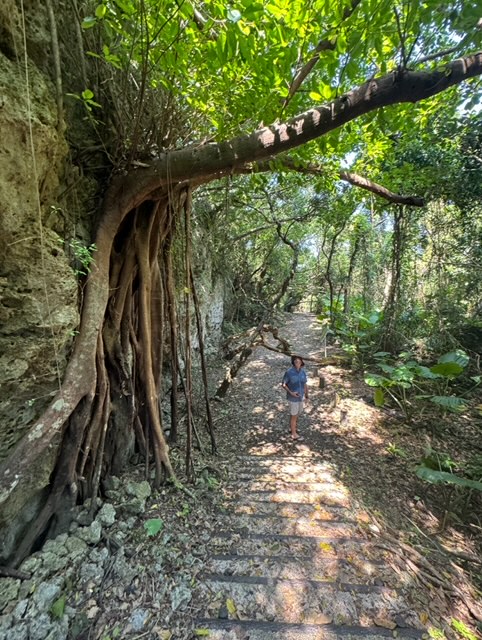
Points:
(296, 385)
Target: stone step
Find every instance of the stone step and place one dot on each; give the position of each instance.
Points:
(290, 485)
(259, 630)
(299, 475)
(292, 510)
(352, 569)
(301, 601)
(241, 542)
(256, 523)
(312, 459)
(325, 496)
(289, 466)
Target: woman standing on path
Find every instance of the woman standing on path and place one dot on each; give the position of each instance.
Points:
(295, 383)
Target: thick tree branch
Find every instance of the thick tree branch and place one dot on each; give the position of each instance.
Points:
(202, 163)
(359, 181)
(353, 178)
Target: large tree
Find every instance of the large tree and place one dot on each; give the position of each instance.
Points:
(182, 87)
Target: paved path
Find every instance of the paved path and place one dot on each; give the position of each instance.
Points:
(293, 558)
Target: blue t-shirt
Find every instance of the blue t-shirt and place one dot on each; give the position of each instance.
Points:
(295, 381)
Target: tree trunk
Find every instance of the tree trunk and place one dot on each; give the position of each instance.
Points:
(390, 341)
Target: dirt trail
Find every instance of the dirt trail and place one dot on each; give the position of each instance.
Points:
(294, 555)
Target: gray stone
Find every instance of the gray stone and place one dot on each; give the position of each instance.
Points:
(136, 506)
(28, 587)
(73, 526)
(6, 621)
(76, 547)
(139, 619)
(19, 632)
(40, 627)
(44, 628)
(56, 545)
(53, 562)
(119, 537)
(113, 495)
(123, 570)
(97, 503)
(112, 483)
(92, 572)
(106, 515)
(84, 518)
(31, 564)
(46, 594)
(180, 596)
(20, 610)
(99, 556)
(91, 534)
(9, 588)
(140, 490)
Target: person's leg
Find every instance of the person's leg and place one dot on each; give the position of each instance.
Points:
(293, 421)
(295, 409)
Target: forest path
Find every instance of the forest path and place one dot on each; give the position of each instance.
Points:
(294, 556)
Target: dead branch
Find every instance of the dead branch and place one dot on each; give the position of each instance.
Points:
(424, 568)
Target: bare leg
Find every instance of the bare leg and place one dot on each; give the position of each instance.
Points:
(293, 421)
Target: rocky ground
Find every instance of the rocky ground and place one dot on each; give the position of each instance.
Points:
(331, 537)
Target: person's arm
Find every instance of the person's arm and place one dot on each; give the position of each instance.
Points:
(306, 391)
(295, 394)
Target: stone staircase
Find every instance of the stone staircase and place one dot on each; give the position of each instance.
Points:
(292, 560)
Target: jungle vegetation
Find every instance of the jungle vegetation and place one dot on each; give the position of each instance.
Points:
(328, 153)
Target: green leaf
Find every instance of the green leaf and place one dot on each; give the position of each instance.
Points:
(379, 397)
(458, 356)
(436, 477)
(386, 368)
(425, 372)
(58, 607)
(88, 22)
(153, 526)
(461, 628)
(87, 94)
(449, 402)
(100, 11)
(373, 380)
(201, 633)
(447, 369)
(231, 606)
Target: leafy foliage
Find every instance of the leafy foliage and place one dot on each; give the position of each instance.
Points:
(435, 477)
(405, 381)
(153, 526)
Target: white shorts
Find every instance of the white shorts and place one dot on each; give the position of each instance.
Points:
(295, 408)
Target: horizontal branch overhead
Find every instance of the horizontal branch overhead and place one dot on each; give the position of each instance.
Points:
(207, 161)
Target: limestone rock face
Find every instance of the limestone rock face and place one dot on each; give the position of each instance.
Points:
(38, 289)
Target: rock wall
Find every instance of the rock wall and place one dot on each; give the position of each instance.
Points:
(38, 289)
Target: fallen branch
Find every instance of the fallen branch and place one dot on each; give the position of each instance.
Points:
(428, 572)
